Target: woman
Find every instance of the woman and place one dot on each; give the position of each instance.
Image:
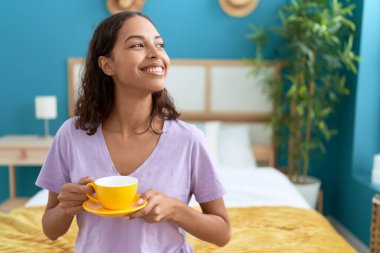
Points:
(126, 124)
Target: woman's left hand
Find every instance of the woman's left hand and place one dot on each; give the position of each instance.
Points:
(160, 207)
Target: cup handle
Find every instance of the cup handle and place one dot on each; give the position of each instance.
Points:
(90, 196)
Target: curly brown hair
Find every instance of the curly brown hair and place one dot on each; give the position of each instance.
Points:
(96, 93)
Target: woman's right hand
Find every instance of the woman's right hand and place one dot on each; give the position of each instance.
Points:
(73, 195)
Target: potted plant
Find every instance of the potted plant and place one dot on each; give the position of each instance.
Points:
(317, 54)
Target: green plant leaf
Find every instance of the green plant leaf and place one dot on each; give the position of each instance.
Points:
(318, 50)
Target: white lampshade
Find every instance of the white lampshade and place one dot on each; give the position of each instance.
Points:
(46, 107)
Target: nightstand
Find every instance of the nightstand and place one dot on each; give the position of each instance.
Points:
(21, 150)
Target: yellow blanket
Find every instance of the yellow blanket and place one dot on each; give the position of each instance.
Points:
(254, 229)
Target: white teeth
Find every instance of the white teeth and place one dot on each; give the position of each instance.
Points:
(154, 69)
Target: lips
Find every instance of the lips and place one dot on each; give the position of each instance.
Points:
(154, 70)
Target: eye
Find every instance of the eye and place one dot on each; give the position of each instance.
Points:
(137, 45)
(161, 45)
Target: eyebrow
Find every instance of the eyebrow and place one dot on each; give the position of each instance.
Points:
(140, 37)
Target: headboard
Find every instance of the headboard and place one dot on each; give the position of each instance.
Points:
(212, 90)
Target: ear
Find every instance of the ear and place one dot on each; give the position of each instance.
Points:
(105, 64)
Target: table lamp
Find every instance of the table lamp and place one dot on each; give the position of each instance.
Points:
(46, 108)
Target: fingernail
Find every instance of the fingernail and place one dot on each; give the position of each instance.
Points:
(140, 201)
(126, 218)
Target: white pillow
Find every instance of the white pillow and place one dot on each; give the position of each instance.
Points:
(234, 146)
(211, 130)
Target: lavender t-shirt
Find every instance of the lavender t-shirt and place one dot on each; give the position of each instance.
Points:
(179, 166)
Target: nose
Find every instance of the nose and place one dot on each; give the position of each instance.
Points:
(152, 52)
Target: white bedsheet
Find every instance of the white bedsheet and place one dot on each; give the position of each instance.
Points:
(259, 187)
(244, 186)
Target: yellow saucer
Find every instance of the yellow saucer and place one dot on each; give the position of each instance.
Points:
(98, 209)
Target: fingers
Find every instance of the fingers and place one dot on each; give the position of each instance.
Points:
(85, 180)
(150, 214)
(86, 189)
(160, 207)
(76, 188)
(69, 204)
(147, 195)
(141, 213)
(73, 195)
(144, 197)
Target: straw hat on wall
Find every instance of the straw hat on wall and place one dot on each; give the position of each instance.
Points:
(238, 8)
(115, 6)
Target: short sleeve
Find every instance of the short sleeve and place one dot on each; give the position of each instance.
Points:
(205, 184)
(55, 170)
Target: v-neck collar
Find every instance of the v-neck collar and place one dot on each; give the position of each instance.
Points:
(110, 166)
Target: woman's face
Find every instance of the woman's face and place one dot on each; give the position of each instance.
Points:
(138, 60)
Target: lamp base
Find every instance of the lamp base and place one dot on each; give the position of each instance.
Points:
(46, 128)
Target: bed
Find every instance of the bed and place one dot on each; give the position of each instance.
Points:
(267, 213)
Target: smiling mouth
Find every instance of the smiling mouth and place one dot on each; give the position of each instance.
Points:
(154, 70)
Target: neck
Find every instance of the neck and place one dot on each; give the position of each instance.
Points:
(129, 115)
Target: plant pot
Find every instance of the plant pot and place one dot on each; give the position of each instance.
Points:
(309, 190)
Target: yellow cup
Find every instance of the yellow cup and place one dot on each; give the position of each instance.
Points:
(115, 192)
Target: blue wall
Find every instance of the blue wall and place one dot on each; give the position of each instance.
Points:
(358, 122)
(37, 38)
